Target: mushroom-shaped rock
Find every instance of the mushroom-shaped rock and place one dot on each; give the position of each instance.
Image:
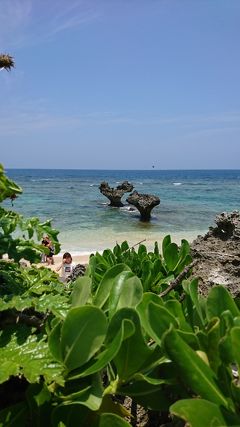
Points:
(144, 203)
(115, 194)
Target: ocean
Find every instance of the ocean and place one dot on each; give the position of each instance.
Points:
(190, 200)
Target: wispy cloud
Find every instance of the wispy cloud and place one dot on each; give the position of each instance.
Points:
(211, 131)
(28, 117)
(71, 16)
(14, 17)
(32, 122)
(29, 22)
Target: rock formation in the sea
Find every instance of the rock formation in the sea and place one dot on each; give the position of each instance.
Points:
(115, 194)
(144, 203)
(218, 254)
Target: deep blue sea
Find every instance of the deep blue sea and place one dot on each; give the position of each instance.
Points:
(190, 200)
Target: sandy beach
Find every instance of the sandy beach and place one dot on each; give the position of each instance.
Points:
(83, 258)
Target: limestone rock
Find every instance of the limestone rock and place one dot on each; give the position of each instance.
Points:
(144, 203)
(218, 254)
(115, 194)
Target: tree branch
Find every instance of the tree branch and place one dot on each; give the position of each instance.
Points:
(174, 283)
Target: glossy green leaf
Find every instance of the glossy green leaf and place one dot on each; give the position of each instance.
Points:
(171, 256)
(203, 340)
(184, 256)
(193, 292)
(193, 370)
(236, 321)
(184, 249)
(83, 333)
(226, 349)
(147, 271)
(142, 250)
(155, 381)
(227, 321)
(142, 307)
(219, 300)
(54, 341)
(159, 321)
(112, 420)
(69, 415)
(25, 354)
(175, 308)
(156, 248)
(124, 246)
(108, 281)
(214, 336)
(126, 292)
(235, 392)
(134, 350)
(166, 241)
(8, 187)
(81, 291)
(182, 263)
(88, 393)
(155, 359)
(235, 336)
(199, 413)
(126, 330)
(136, 388)
(190, 338)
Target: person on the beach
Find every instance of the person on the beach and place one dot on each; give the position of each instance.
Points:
(67, 266)
(48, 257)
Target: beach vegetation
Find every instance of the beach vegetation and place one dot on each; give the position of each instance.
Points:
(155, 270)
(134, 328)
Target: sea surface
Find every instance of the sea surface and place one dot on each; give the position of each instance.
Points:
(190, 200)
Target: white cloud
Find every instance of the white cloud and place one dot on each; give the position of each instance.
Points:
(30, 22)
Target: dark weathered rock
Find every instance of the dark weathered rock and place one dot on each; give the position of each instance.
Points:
(78, 271)
(115, 194)
(144, 203)
(218, 254)
(228, 226)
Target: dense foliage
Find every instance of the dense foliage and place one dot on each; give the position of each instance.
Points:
(153, 269)
(134, 326)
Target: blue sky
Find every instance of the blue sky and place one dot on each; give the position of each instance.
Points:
(120, 84)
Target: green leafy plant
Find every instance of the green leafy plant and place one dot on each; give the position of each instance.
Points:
(133, 327)
(155, 270)
(30, 299)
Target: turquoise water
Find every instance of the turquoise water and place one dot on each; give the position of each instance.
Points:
(71, 198)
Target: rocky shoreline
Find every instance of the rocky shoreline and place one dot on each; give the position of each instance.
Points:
(218, 254)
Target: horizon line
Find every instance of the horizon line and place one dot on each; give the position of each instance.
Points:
(103, 169)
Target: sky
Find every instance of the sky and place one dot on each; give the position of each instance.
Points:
(120, 84)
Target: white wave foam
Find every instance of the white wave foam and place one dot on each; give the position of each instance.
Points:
(177, 183)
(128, 209)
